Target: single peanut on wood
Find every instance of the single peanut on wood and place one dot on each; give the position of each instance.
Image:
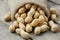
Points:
(53, 26)
(53, 11)
(7, 17)
(53, 17)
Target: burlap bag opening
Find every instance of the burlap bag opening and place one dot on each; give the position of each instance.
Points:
(15, 4)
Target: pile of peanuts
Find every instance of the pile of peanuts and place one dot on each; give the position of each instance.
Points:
(31, 17)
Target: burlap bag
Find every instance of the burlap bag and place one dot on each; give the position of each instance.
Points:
(15, 4)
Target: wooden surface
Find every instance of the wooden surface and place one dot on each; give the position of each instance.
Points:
(6, 35)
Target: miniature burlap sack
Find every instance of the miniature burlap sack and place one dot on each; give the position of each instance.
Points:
(15, 4)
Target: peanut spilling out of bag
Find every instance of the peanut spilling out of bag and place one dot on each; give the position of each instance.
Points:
(7, 17)
(22, 33)
(53, 26)
(40, 29)
(53, 12)
(31, 16)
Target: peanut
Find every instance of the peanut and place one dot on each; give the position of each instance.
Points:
(46, 18)
(21, 10)
(28, 28)
(18, 30)
(17, 15)
(23, 15)
(38, 8)
(28, 6)
(35, 22)
(41, 12)
(16, 25)
(44, 28)
(24, 34)
(20, 20)
(7, 17)
(34, 7)
(53, 26)
(45, 23)
(53, 17)
(32, 11)
(53, 11)
(36, 15)
(22, 26)
(28, 19)
(40, 29)
(11, 28)
(41, 19)
(37, 30)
